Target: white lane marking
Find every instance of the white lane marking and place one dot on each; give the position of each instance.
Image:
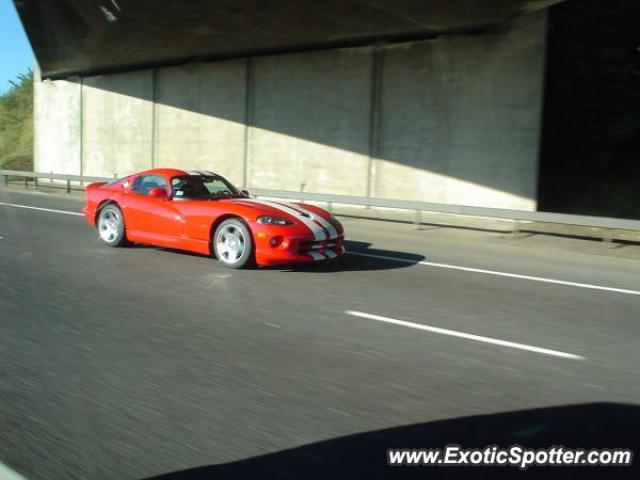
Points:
(7, 474)
(316, 255)
(333, 233)
(501, 274)
(64, 212)
(317, 230)
(468, 336)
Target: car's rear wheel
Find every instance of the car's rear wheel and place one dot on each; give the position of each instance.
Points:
(232, 243)
(111, 226)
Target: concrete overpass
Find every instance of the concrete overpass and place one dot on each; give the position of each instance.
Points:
(73, 37)
(432, 100)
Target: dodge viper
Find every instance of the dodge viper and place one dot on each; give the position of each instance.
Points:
(202, 212)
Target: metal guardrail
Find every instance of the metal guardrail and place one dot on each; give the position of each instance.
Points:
(417, 206)
(515, 215)
(52, 176)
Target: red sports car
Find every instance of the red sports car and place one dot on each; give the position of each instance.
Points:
(203, 212)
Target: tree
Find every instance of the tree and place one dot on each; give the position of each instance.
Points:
(16, 124)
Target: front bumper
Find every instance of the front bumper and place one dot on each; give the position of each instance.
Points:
(288, 258)
(281, 246)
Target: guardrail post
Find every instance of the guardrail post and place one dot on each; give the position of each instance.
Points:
(68, 186)
(35, 183)
(330, 207)
(515, 233)
(26, 182)
(6, 180)
(417, 221)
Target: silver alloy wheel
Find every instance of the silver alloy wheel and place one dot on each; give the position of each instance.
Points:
(109, 225)
(230, 244)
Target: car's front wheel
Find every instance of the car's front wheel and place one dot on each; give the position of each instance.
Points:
(232, 243)
(111, 226)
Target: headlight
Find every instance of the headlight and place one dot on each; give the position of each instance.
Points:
(269, 220)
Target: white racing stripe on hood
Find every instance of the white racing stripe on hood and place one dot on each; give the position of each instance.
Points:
(333, 233)
(317, 230)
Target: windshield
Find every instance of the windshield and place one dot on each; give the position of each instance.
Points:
(203, 187)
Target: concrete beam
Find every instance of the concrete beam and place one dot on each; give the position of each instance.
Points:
(75, 37)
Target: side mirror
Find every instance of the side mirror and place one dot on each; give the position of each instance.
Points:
(158, 193)
(246, 192)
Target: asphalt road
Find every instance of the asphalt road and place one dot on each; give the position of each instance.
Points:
(138, 362)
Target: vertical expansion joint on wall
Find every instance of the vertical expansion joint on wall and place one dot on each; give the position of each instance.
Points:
(154, 103)
(248, 121)
(374, 118)
(541, 107)
(81, 126)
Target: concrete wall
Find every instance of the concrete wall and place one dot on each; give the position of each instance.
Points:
(452, 120)
(460, 119)
(117, 113)
(57, 127)
(200, 117)
(310, 121)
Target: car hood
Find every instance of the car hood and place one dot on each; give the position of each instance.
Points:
(309, 215)
(281, 208)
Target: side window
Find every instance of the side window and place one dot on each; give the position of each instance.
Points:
(144, 183)
(216, 185)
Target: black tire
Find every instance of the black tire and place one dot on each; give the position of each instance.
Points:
(232, 244)
(111, 226)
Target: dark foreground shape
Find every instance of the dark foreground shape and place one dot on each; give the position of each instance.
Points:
(597, 425)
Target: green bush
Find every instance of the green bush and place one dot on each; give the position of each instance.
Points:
(16, 124)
